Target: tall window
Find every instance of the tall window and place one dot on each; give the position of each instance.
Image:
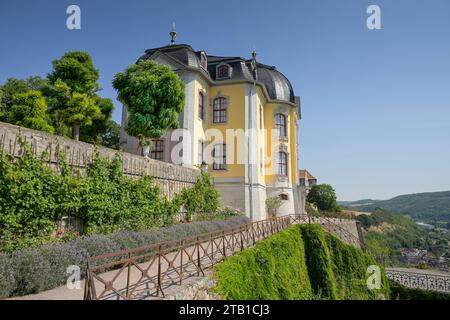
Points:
(223, 71)
(282, 164)
(157, 150)
(201, 105)
(280, 125)
(219, 110)
(220, 157)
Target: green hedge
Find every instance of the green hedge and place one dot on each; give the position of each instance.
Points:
(303, 262)
(318, 261)
(274, 269)
(399, 292)
(349, 268)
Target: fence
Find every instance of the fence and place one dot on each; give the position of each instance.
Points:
(147, 271)
(416, 280)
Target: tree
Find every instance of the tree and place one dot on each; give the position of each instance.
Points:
(72, 95)
(323, 197)
(273, 204)
(154, 95)
(77, 70)
(29, 109)
(103, 130)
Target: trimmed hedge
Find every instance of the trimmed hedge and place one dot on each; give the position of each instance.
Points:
(303, 262)
(33, 270)
(274, 269)
(350, 271)
(399, 292)
(318, 261)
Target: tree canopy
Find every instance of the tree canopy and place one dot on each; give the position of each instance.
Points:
(29, 110)
(154, 96)
(66, 102)
(73, 93)
(324, 197)
(77, 70)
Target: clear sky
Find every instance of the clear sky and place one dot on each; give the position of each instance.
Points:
(375, 103)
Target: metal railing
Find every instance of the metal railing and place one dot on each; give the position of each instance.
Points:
(147, 271)
(416, 280)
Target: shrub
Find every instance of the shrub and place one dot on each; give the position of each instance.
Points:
(275, 269)
(318, 262)
(273, 204)
(202, 199)
(33, 197)
(302, 262)
(349, 267)
(7, 281)
(33, 270)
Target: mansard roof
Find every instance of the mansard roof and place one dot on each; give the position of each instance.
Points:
(277, 85)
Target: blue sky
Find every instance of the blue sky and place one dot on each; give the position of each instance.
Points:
(376, 103)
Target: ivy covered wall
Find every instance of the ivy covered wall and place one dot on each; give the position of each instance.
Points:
(301, 263)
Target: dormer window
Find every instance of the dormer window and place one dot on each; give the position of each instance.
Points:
(223, 71)
(203, 60)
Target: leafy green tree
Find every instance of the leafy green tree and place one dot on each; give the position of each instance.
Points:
(273, 204)
(323, 197)
(77, 70)
(154, 95)
(203, 199)
(103, 130)
(73, 94)
(14, 86)
(29, 109)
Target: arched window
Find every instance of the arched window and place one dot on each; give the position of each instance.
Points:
(201, 105)
(282, 164)
(280, 125)
(220, 110)
(223, 71)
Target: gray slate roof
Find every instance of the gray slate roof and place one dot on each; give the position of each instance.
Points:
(277, 85)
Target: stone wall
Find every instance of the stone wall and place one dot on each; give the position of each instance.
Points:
(171, 178)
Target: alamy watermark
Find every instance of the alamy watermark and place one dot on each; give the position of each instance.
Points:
(374, 20)
(73, 21)
(74, 279)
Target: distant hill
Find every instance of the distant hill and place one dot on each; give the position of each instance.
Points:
(425, 207)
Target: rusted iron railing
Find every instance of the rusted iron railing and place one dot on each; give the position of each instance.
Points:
(147, 271)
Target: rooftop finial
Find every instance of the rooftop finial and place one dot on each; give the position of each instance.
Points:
(173, 34)
(254, 66)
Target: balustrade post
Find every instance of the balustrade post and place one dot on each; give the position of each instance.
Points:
(198, 256)
(223, 244)
(159, 271)
(181, 261)
(128, 274)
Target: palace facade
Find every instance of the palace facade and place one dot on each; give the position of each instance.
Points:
(240, 121)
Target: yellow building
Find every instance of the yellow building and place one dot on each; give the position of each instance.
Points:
(240, 118)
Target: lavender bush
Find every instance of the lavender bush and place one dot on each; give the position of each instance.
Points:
(7, 283)
(33, 270)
